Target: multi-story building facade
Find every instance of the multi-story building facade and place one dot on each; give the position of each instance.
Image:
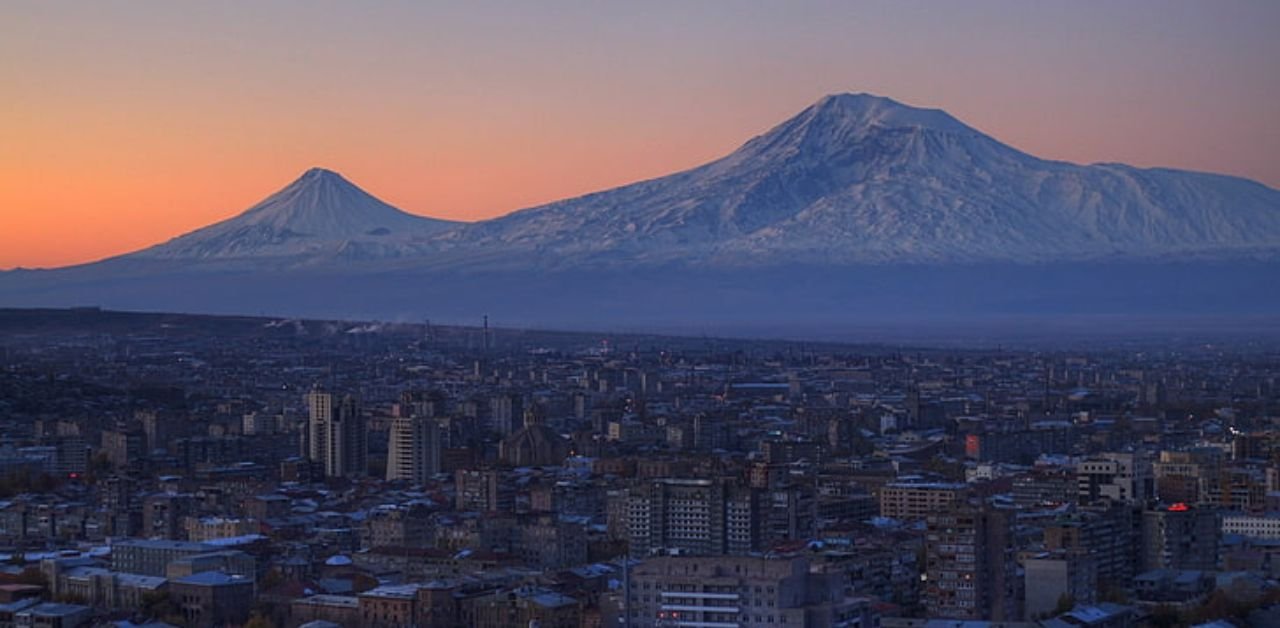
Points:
(213, 598)
(151, 557)
(413, 449)
(201, 529)
(336, 436)
(916, 500)
(1253, 526)
(1051, 577)
(479, 490)
(676, 515)
(740, 591)
(970, 568)
(1122, 477)
(164, 515)
(1180, 536)
(1183, 476)
(1109, 536)
(710, 516)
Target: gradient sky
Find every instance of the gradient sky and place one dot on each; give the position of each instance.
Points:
(123, 124)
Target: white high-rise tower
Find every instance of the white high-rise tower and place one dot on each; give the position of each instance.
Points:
(336, 434)
(413, 449)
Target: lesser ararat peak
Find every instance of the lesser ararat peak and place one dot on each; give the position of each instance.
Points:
(318, 213)
(319, 173)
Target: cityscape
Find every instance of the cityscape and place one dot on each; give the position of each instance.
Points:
(208, 471)
(662, 314)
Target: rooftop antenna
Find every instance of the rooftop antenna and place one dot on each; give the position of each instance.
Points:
(486, 343)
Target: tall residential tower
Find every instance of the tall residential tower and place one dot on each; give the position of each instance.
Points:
(413, 449)
(336, 435)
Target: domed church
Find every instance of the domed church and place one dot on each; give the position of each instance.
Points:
(534, 445)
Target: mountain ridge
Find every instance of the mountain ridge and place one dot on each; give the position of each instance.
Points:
(858, 206)
(319, 213)
(864, 179)
(851, 179)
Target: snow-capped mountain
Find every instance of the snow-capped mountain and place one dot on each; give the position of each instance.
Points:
(852, 179)
(320, 214)
(858, 210)
(863, 179)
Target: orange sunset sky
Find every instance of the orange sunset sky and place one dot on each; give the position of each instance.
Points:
(123, 124)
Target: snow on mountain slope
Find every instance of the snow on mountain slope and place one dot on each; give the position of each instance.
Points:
(864, 179)
(859, 208)
(319, 214)
(853, 179)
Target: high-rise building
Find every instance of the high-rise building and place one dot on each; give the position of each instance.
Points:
(1180, 536)
(155, 429)
(316, 438)
(1108, 535)
(124, 447)
(72, 456)
(686, 516)
(413, 449)
(707, 517)
(336, 435)
(970, 570)
(670, 514)
(506, 411)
